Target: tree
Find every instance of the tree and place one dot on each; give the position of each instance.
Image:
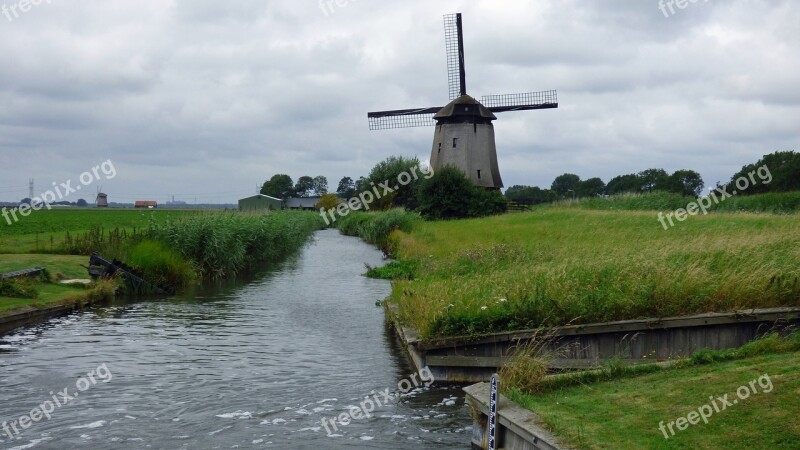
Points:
(279, 186)
(776, 172)
(591, 188)
(530, 195)
(304, 186)
(362, 184)
(624, 183)
(449, 194)
(653, 180)
(387, 174)
(685, 182)
(565, 183)
(320, 185)
(82, 203)
(346, 188)
(328, 202)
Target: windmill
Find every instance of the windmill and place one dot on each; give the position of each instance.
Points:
(464, 136)
(102, 199)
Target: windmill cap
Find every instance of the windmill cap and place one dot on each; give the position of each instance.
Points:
(465, 106)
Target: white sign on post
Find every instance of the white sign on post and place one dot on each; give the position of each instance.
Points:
(493, 414)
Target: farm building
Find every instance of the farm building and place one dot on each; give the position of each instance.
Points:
(260, 203)
(146, 204)
(303, 203)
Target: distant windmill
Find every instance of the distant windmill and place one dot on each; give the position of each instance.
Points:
(464, 135)
(102, 199)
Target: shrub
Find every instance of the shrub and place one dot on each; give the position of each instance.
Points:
(449, 194)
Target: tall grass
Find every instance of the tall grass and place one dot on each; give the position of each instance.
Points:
(225, 244)
(776, 203)
(556, 266)
(376, 228)
(160, 265)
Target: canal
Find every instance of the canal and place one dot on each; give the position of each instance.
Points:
(251, 365)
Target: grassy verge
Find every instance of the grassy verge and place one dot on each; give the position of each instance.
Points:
(626, 413)
(555, 266)
(49, 294)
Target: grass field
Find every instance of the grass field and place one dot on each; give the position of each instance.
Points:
(627, 413)
(44, 231)
(556, 265)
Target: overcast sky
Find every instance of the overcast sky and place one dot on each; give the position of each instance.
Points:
(207, 99)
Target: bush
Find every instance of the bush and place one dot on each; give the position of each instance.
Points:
(449, 194)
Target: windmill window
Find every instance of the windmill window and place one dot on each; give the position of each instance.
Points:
(440, 147)
(479, 174)
(455, 142)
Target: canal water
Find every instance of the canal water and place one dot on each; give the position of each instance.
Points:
(254, 365)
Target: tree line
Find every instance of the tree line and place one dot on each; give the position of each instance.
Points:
(784, 166)
(448, 193)
(282, 187)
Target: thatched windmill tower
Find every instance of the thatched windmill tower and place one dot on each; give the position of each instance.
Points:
(464, 136)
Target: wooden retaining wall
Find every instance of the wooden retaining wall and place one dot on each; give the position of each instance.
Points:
(475, 359)
(33, 317)
(27, 273)
(517, 427)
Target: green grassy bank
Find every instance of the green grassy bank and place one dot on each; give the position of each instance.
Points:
(555, 266)
(624, 410)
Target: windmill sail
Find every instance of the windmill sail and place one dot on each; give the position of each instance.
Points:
(402, 118)
(521, 102)
(454, 45)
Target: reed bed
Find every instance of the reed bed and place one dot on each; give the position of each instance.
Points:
(222, 245)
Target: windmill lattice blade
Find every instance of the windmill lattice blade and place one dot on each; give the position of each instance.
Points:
(381, 121)
(453, 42)
(521, 102)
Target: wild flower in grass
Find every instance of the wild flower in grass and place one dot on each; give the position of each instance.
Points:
(484, 308)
